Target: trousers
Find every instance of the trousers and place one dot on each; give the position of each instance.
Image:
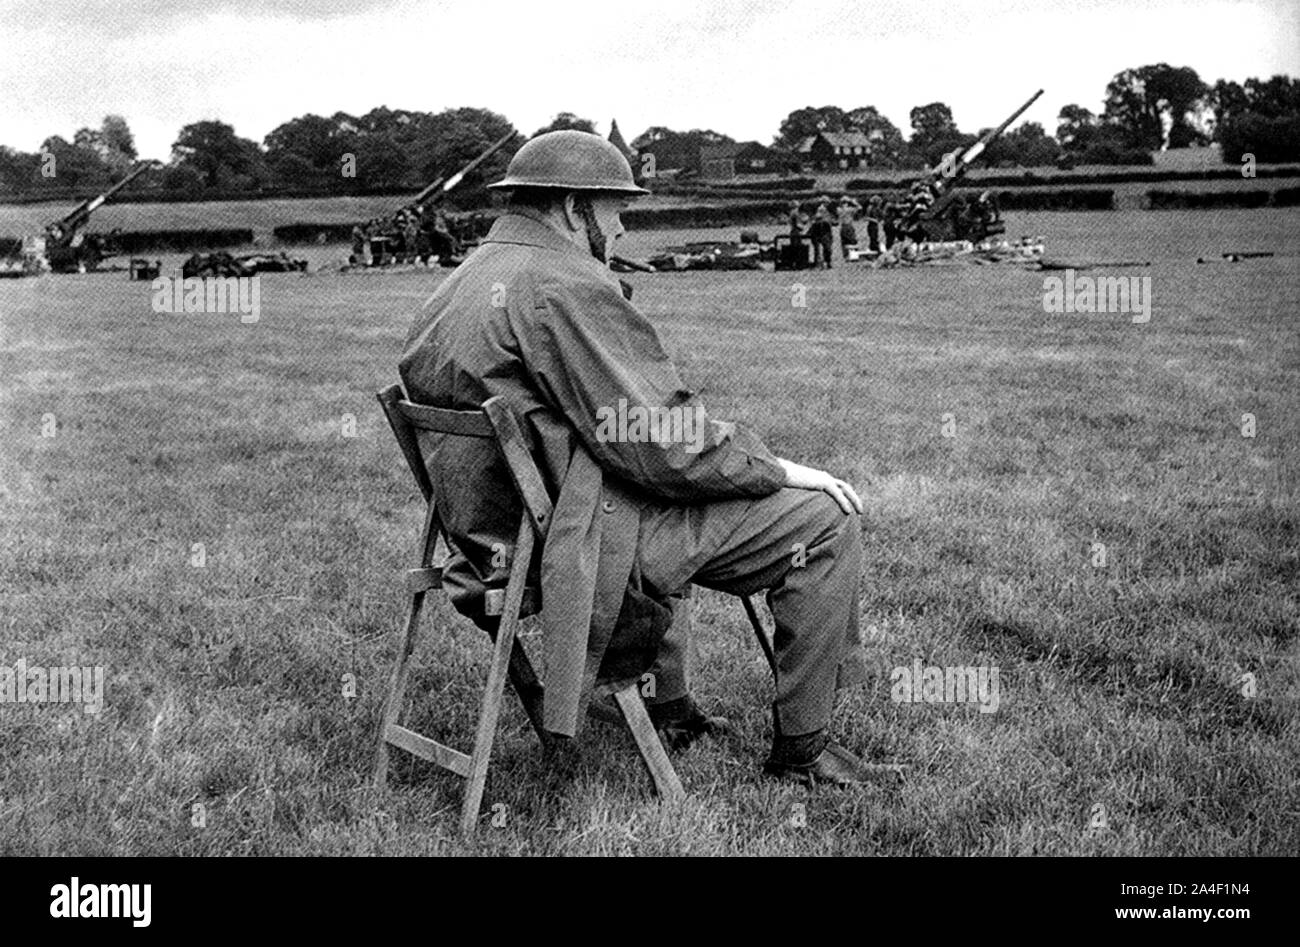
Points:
(799, 548)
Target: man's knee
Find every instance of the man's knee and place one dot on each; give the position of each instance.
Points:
(835, 529)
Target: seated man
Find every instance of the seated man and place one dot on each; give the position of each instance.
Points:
(535, 316)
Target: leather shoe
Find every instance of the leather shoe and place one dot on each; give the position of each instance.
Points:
(685, 723)
(838, 767)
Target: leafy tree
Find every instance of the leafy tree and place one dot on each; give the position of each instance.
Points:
(182, 179)
(1226, 99)
(290, 169)
(1270, 140)
(567, 120)
(1142, 102)
(1072, 122)
(1025, 146)
(1086, 139)
(220, 157)
(1260, 118)
(75, 166)
(90, 139)
(680, 150)
(1278, 97)
(934, 133)
(440, 145)
(320, 144)
(381, 163)
(888, 147)
(112, 142)
(19, 170)
(117, 137)
(808, 121)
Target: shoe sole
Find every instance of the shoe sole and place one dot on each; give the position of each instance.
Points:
(886, 775)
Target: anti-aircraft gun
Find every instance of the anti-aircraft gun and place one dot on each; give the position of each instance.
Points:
(950, 216)
(68, 249)
(437, 234)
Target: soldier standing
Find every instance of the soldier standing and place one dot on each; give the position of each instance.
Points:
(875, 214)
(411, 239)
(822, 235)
(798, 230)
(848, 212)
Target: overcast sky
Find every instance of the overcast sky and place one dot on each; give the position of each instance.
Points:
(736, 67)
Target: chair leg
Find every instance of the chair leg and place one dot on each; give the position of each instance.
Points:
(397, 689)
(487, 720)
(666, 781)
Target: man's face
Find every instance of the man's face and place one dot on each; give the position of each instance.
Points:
(607, 208)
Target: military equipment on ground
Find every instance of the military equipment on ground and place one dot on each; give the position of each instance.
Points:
(66, 248)
(441, 186)
(711, 255)
(420, 231)
(790, 254)
(142, 270)
(222, 264)
(938, 220)
(1027, 251)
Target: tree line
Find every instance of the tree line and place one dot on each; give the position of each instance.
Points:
(1144, 109)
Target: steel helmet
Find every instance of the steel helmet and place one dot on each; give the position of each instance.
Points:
(570, 160)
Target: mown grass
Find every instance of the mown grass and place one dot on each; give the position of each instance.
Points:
(1120, 686)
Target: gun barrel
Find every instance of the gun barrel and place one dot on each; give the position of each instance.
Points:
(446, 184)
(975, 150)
(86, 207)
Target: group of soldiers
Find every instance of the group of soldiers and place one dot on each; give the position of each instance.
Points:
(416, 234)
(888, 222)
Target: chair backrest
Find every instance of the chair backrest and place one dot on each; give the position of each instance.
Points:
(495, 421)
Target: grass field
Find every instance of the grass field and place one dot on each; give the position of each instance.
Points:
(1122, 687)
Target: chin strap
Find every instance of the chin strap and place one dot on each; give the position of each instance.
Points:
(595, 236)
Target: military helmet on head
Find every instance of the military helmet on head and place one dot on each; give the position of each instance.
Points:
(570, 160)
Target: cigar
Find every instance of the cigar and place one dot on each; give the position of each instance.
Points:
(632, 264)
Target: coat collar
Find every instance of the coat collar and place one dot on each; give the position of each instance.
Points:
(516, 228)
(526, 231)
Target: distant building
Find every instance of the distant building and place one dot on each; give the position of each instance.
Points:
(836, 151)
(723, 162)
(616, 139)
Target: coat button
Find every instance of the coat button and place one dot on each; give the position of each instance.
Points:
(607, 506)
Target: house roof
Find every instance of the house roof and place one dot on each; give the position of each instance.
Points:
(847, 139)
(732, 149)
(616, 139)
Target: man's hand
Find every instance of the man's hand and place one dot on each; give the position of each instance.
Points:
(809, 478)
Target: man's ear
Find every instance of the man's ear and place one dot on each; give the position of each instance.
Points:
(569, 211)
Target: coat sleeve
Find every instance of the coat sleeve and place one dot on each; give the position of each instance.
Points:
(599, 361)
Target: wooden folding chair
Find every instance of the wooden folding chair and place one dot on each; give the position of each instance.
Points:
(497, 422)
